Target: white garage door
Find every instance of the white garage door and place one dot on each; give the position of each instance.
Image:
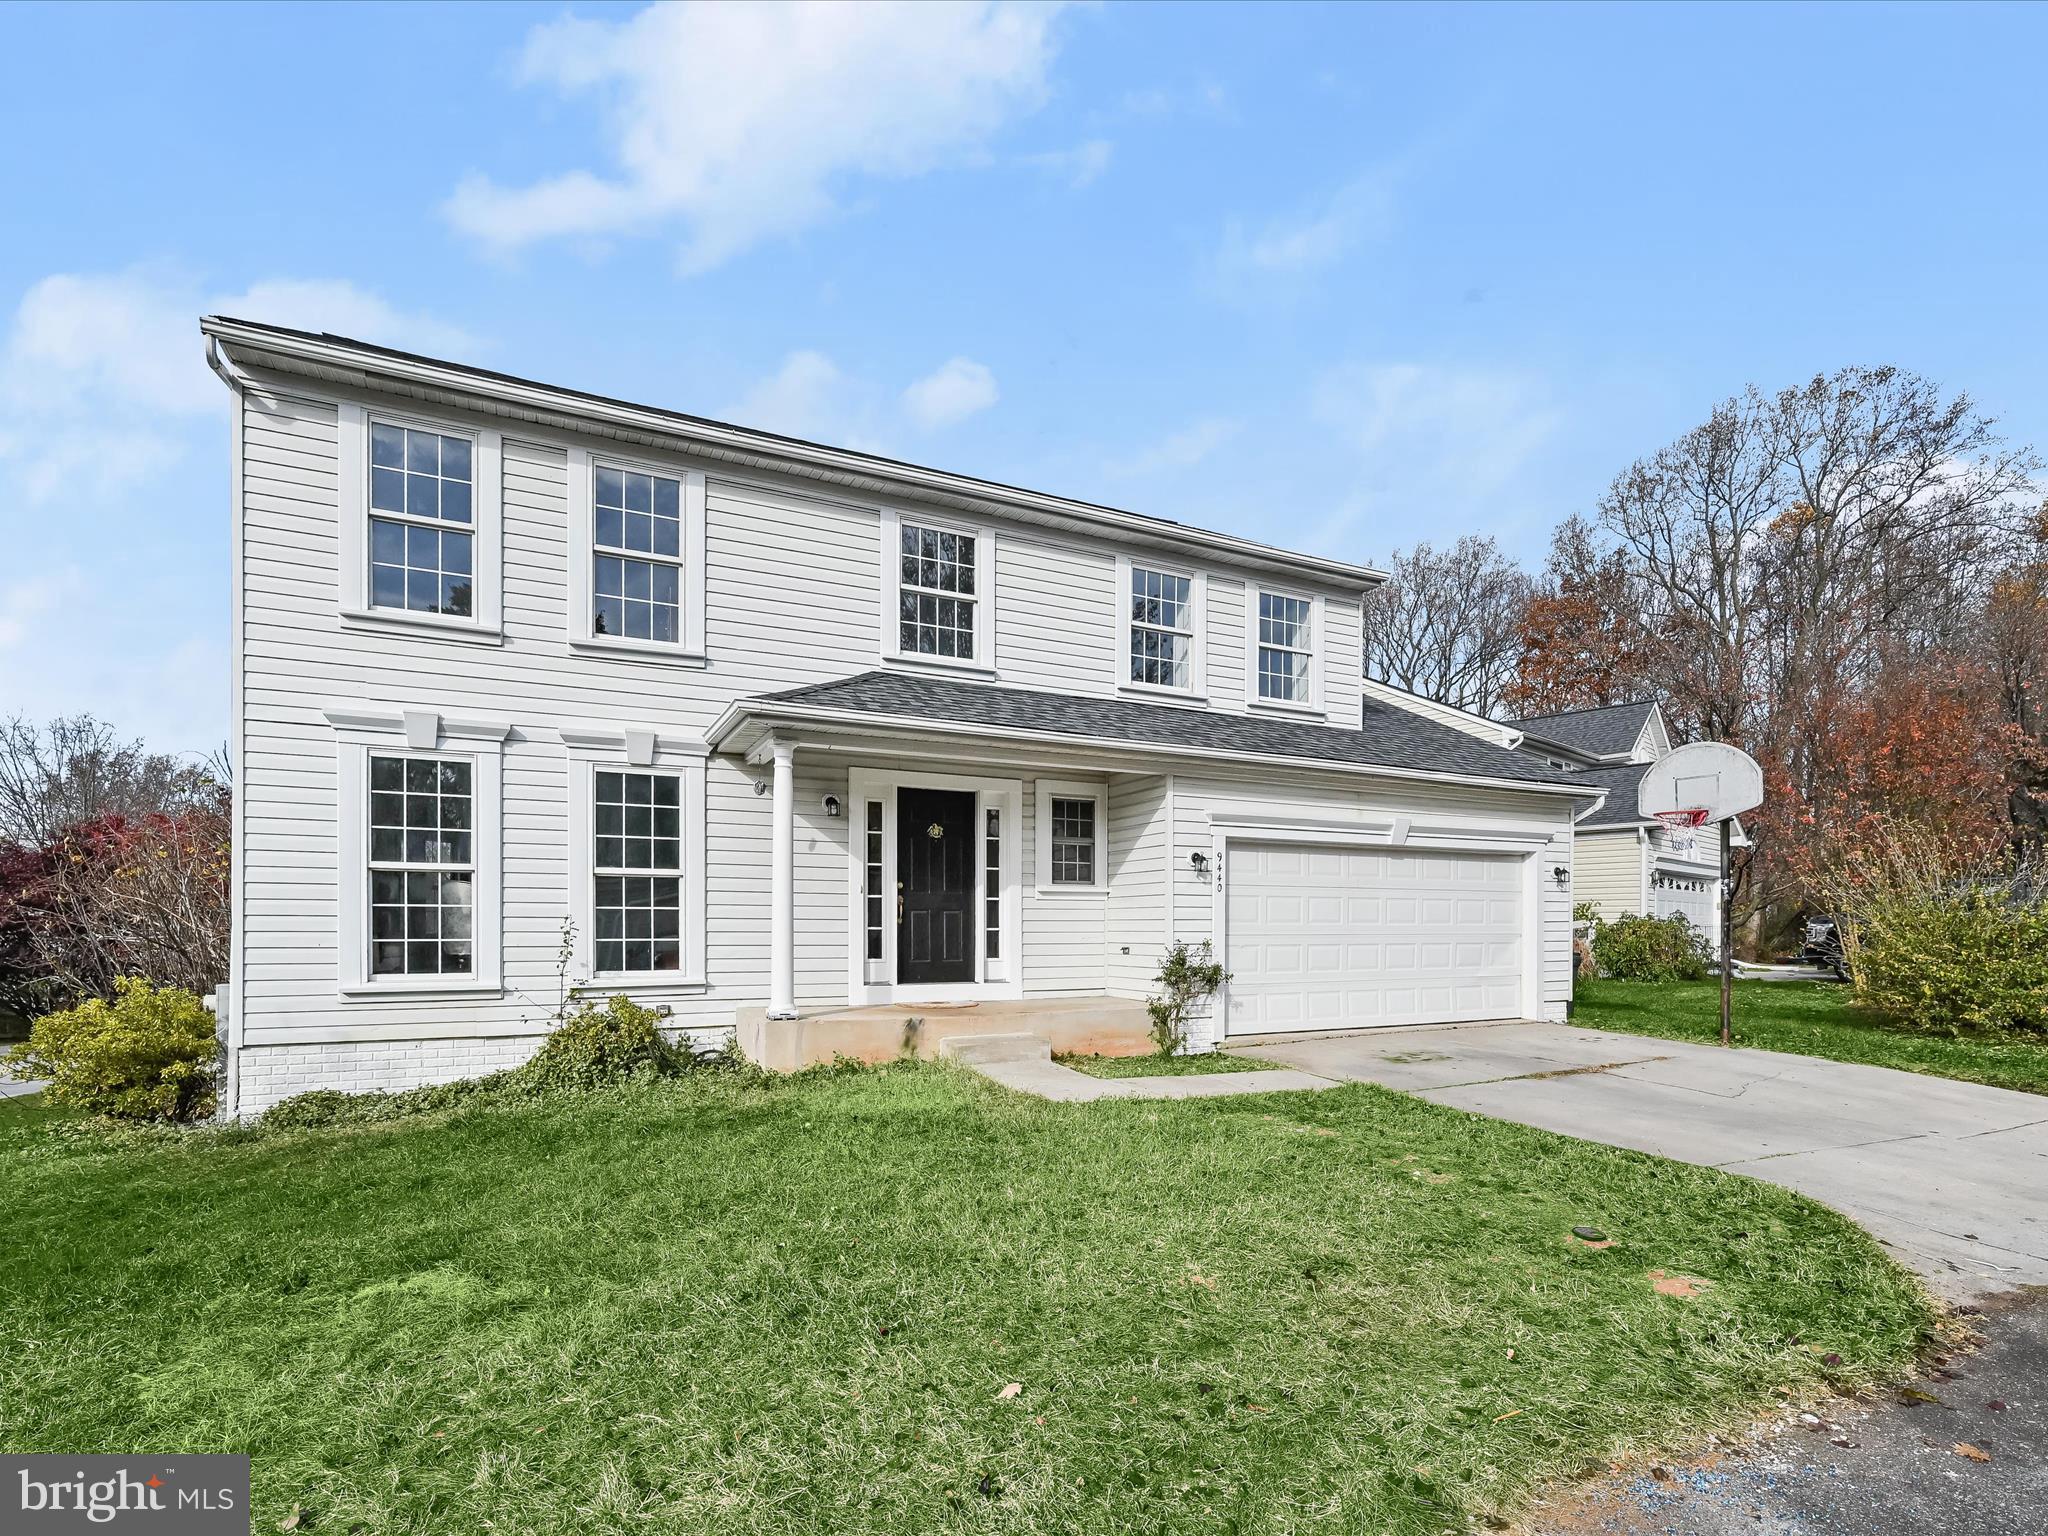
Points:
(1347, 938)
(1688, 894)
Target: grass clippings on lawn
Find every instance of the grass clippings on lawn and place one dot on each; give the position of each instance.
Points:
(798, 1306)
(1202, 1065)
(1808, 1018)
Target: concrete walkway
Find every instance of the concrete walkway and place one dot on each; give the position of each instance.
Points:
(1951, 1176)
(1024, 1063)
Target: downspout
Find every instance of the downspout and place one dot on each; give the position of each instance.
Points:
(233, 1027)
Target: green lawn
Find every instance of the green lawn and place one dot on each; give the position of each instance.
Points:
(1808, 1018)
(795, 1306)
(1163, 1066)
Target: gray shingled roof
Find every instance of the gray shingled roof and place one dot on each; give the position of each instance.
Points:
(1390, 737)
(1597, 732)
(1621, 781)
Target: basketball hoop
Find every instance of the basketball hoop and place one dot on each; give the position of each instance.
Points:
(1690, 816)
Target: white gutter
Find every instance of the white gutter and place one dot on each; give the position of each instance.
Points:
(365, 367)
(741, 710)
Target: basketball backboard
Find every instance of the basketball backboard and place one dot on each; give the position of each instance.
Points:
(1708, 776)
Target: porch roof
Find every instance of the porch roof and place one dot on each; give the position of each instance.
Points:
(1391, 739)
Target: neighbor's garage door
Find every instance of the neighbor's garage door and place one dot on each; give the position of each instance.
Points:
(1345, 938)
(1687, 894)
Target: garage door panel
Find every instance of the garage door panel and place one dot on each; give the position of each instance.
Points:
(1346, 938)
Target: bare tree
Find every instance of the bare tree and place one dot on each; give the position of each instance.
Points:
(1445, 623)
(71, 771)
(1795, 548)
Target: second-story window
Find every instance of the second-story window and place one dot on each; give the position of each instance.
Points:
(421, 510)
(1162, 629)
(1286, 648)
(936, 594)
(636, 564)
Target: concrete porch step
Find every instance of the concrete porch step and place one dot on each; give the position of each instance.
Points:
(979, 1050)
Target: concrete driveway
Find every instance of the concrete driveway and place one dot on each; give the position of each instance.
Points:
(1951, 1176)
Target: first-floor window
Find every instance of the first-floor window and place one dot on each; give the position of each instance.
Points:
(1286, 649)
(638, 857)
(1073, 841)
(992, 883)
(873, 897)
(422, 866)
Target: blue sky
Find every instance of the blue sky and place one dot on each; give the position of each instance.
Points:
(1338, 278)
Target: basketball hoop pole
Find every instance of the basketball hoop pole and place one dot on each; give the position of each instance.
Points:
(1727, 935)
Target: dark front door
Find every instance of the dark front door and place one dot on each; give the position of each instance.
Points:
(935, 881)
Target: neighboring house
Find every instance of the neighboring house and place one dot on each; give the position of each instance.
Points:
(792, 734)
(1623, 862)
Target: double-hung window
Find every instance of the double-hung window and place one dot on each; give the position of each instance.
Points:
(936, 599)
(420, 533)
(636, 558)
(1161, 612)
(421, 860)
(636, 835)
(637, 902)
(422, 866)
(938, 592)
(1286, 649)
(422, 513)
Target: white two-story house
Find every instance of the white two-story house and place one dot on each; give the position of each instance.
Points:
(793, 740)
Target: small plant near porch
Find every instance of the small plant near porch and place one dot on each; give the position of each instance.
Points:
(1188, 978)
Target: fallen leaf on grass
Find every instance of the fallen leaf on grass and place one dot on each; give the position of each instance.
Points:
(1972, 1452)
(291, 1521)
(1009, 1391)
(1202, 1280)
(1684, 1287)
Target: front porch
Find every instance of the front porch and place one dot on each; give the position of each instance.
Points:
(1083, 1026)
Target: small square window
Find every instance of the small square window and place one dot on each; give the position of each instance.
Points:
(1073, 841)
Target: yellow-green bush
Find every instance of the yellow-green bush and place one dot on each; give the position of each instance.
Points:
(1970, 957)
(148, 1054)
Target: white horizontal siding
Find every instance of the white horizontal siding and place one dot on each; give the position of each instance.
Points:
(1135, 930)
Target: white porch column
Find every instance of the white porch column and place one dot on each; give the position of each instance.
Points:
(782, 889)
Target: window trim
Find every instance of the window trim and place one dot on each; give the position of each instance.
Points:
(1070, 789)
(361, 732)
(983, 662)
(1198, 647)
(486, 524)
(688, 647)
(635, 750)
(1317, 660)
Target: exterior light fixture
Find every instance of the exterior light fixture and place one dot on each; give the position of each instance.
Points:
(832, 806)
(1561, 875)
(1201, 863)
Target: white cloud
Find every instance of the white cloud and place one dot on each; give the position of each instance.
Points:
(1361, 212)
(738, 122)
(1179, 450)
(807, 397)
(1079, 166)
(102, 374)
(1431, 442)
(952, 392)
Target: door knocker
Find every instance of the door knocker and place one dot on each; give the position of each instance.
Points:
(935, 831)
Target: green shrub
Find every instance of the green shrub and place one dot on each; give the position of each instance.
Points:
(595, 1045)
(1650, 949)
(601, 1043)
(1188, 978)
(1973, 957)
(148, 1054)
